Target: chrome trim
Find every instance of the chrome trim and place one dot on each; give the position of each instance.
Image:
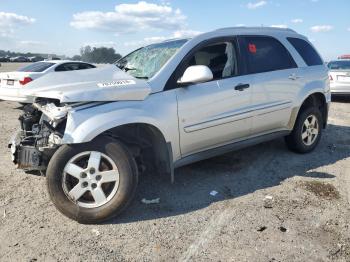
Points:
(268, 112)
(231, 117)
(213, 123)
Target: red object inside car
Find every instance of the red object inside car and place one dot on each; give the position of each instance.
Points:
(252, 48)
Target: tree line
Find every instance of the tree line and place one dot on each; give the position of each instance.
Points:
(4, 53)
(98, 55)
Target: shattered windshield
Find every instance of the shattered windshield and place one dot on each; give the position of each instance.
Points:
(145, 62)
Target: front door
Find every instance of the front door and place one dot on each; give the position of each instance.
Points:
(216, 112)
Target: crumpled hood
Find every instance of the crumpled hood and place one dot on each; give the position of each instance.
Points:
(91, 85)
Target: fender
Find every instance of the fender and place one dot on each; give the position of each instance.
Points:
(157, 110)
(309, 89)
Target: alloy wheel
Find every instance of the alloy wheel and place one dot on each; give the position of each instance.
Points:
(310, 130)
(90, 179)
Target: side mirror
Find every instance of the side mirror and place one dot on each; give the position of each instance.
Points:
(196, 74)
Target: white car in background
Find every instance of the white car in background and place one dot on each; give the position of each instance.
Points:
(339, 76)
(11, 83)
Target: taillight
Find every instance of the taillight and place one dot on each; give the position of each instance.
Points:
(330, 77)
(25, 81)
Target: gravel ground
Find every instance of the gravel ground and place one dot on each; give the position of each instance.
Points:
(7, 67)
(308, 221)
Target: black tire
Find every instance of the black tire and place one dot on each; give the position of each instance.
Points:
(294, 141)
(128, 179)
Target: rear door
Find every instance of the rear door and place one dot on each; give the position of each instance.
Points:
(275, 82)
(216, 112)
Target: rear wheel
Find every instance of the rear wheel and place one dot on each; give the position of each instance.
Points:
(307, 131)
(92, 182)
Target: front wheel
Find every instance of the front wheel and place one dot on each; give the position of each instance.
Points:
(307, 131)
(92, 182)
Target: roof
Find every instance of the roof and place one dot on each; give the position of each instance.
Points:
(259, 29)
(241, 30)
(63, 61)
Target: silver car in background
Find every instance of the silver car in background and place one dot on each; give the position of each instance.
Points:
(339, 76)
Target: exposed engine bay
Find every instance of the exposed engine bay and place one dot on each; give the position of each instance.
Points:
(42, 127)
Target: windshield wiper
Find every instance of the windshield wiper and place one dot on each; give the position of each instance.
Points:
(141, 77)
(126, 69)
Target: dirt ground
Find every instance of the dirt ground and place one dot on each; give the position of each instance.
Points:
(7, 67)
(308, 219)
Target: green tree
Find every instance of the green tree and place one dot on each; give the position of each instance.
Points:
(103, 55)
(76, 58)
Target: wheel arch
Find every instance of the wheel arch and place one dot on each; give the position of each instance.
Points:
(133, 126)
(316, 99)
(147, 144)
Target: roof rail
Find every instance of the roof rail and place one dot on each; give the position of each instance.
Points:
(175, 39)
(271, 28)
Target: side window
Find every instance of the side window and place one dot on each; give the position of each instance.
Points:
(67, 67)
(85, 66)
(221, 58)
(60, 68)
(265, 54)
(306, 51)
(72, 67)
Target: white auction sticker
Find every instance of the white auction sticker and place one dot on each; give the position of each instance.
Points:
(117, 83)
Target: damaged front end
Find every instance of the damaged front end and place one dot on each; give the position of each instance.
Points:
(42, 128)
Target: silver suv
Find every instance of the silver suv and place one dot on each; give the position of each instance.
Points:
(93, 132)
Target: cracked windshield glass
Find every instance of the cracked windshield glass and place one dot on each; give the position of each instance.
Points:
(145, 62)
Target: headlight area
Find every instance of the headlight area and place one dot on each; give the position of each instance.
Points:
(42, 128)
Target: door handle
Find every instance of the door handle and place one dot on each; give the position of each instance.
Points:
(294, 77)
(241, 87)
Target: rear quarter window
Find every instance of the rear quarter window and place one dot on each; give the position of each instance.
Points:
(306, 51)
(266, 54)
(36, 67)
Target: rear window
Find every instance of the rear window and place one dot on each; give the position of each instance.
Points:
(306, 51)
(339, 65)
(36, 67)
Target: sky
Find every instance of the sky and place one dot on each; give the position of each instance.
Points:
(63, 26)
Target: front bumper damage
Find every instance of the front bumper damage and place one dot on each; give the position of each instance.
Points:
(25, 157)
(34, 144)
(43, 131)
